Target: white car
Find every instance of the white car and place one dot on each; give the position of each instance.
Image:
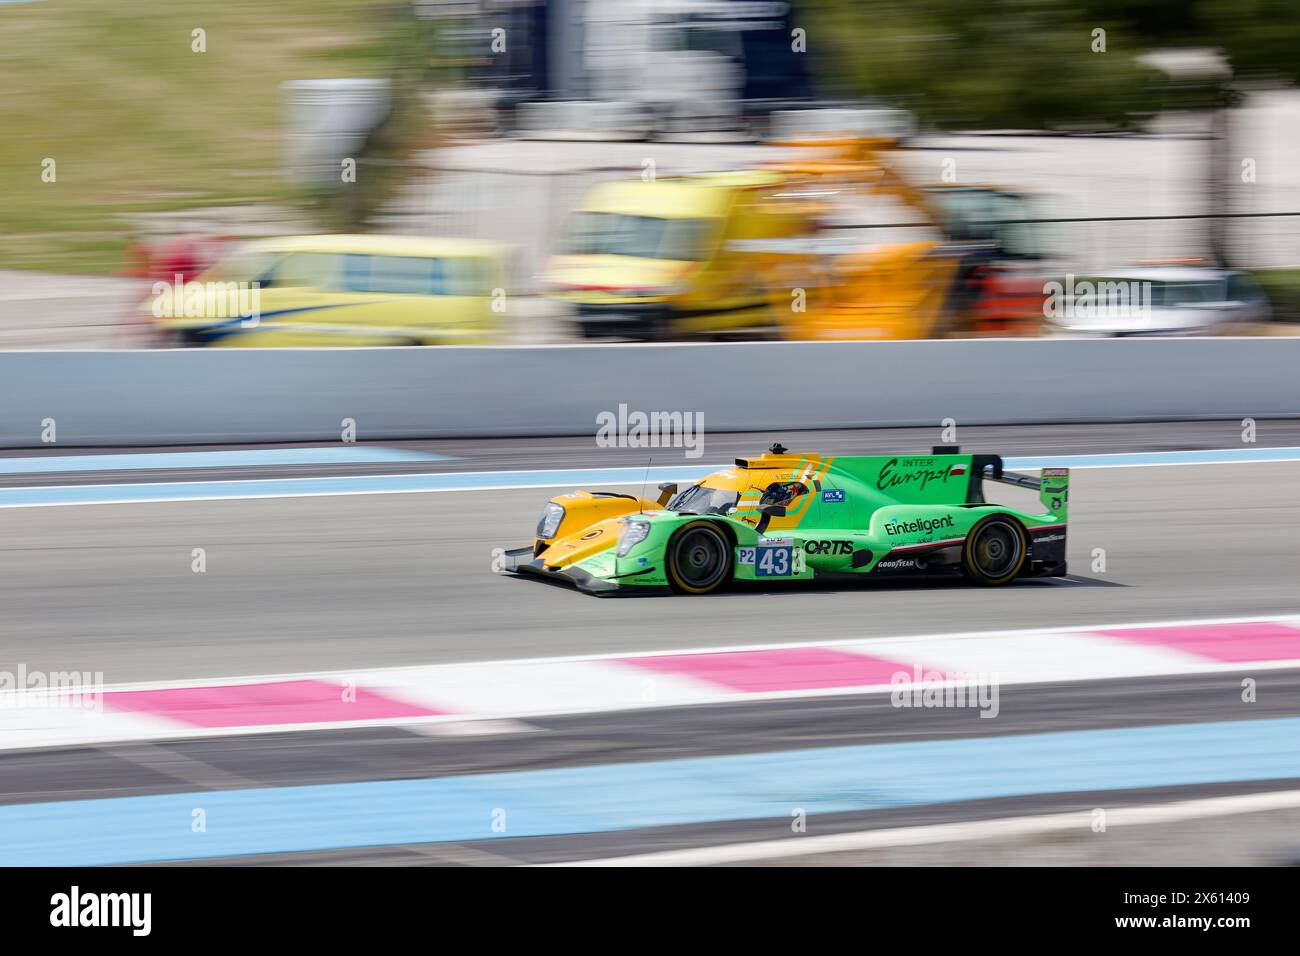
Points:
(1156, 300)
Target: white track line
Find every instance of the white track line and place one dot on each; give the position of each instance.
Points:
(1080, 821)
(527, 688)
(346, 674)
(351, 674)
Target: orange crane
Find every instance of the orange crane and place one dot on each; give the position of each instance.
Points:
(976, 278)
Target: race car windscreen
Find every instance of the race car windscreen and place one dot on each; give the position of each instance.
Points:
(642, 237)
(699, 500)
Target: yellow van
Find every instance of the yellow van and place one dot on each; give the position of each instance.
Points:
(661, 259)
(338, 291)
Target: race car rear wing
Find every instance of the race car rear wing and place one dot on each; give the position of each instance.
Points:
(1023, 481)
(1052, 485)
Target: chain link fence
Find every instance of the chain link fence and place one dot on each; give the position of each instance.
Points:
(527, 209)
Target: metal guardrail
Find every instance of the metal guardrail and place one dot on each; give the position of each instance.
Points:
(280, 395)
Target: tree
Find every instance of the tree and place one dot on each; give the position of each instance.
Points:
(1035, 63)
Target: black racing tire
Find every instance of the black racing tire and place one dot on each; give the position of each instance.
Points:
(995, 551)
(699, 558)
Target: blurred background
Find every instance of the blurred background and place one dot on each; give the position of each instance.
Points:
(223, 174)
(648, 169)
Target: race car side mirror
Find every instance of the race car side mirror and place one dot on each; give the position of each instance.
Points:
(666, 492)
(774, 511)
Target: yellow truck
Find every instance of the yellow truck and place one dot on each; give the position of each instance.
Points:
(337, 290)
(666, 258)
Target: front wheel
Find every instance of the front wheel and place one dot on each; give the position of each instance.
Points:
(699, 558)
(995, 551)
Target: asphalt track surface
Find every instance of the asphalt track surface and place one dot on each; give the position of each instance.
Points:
(334, 583)
(324, 583)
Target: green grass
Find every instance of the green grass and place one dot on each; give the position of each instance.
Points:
(137, 122)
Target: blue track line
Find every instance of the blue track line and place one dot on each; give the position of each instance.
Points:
(560, 478)
(245, 458)
(607, 798)
(343, 485)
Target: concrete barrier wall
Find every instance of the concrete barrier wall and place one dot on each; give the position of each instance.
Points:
(234, 395)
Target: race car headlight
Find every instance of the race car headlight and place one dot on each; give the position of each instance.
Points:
(630, 535)
(549, 523)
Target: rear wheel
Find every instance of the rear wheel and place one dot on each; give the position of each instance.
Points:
(995, 551)
(699, 558)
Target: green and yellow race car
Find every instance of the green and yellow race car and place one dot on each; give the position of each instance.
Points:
(789, 517)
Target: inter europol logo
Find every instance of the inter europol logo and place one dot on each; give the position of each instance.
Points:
(900, 472)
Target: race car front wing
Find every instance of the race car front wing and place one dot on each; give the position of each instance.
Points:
(522, 561)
